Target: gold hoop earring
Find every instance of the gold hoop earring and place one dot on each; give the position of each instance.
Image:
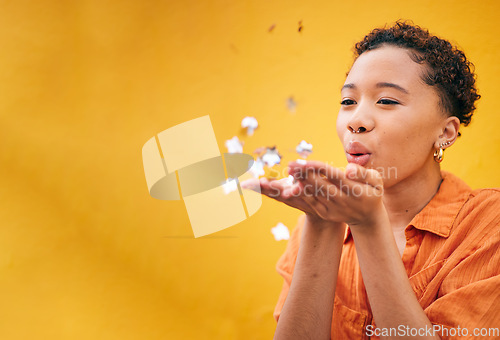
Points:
(438, 155)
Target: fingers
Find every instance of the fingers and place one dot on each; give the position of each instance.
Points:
(360, 174)
(279, 190)
(272, 189)
(312, 195)
(321, 189)
(353, 173)
(334, 175)
(261, 185)
(300, 195)
(282, 191)
(283, 188)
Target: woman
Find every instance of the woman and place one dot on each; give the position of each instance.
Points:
(393, 246)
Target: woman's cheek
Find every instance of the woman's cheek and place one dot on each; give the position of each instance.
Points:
(340, 126)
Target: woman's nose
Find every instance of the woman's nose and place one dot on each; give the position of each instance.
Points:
(360, 121)
(358, 130)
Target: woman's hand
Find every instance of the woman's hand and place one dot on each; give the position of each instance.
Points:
(353, 196)
(282, 191)
(327, 193)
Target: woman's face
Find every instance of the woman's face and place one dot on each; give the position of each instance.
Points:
(397, 116)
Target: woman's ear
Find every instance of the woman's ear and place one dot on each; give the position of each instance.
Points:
(449, 132)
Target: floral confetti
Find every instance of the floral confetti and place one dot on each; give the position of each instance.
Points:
(257, 168)
(271, 157)
(229, 186)
(304, 149)
(249, 123)
(280, 232)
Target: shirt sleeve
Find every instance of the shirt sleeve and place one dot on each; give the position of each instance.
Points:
(468, 302)
(286, 264)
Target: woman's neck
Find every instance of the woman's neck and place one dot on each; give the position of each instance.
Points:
(408, 197)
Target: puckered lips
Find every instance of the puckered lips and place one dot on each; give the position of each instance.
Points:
(357, 153)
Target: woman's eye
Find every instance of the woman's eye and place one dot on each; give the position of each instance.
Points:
(387, 102)
(347, 102)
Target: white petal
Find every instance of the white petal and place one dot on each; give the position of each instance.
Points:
(234, 145)
(304, 146)
(250, 123)
(271, 160)
(280, 232)
(257, 168)
(289, 180)
(229, 186)
(271, 157)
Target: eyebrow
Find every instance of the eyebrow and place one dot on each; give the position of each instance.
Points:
(378, 85)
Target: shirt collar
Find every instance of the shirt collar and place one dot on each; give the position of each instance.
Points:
(439, 214)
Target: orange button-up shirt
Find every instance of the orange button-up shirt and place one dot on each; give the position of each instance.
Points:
(452, 258)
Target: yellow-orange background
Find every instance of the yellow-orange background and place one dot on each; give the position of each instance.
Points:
(85, 252)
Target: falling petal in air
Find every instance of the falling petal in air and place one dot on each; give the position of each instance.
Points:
(271, 157)
(280, 232)
(234, 145)
(229, 186)
(304, 149)
(257, 168)
(249, 123)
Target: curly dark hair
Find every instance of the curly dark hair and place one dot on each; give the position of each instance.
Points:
(448, 68)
